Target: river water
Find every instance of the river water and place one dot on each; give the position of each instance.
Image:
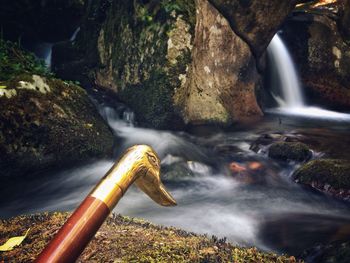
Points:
(261, 207)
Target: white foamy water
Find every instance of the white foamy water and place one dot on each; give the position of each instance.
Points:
(210, 201)
(289, 81)
(292, 101)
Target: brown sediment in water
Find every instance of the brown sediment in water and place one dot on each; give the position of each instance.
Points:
(121, 239)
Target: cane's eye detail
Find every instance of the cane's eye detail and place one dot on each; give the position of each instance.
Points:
(153, 160)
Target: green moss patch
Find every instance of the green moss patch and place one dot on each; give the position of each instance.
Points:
(289, 151)
(48, 122)
(122, 239)
(334, 172)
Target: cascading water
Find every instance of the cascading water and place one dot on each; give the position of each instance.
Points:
(292, 101)
(288, 78)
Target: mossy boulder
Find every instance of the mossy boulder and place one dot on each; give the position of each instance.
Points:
(289, 151)
(333, 172)
(46, 122)
(136, 49)
(173, 62)
(121, 239)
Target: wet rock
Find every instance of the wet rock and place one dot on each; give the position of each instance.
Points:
(261, 144)
(173, 63)
(176, 171)
(45, 123)
(45, 20)
(293, 232)
(252, 20)
(334, 252)
(289, 151)
(331, 176)
(319, 47)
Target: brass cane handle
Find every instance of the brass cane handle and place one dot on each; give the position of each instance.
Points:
(139, 164)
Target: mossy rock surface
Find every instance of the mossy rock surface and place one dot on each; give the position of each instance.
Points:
(289, 151)
(122, 239)
(46, 122)
(137, 49)
(333, 172)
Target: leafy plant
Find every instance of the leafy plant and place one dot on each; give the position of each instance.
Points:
(15, 61)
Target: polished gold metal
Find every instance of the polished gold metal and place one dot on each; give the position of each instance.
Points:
(139, 164)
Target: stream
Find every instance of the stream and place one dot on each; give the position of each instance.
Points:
(262, 208)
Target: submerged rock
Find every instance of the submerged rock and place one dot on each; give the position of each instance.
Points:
(46, 122)
(121, 239)
(331, 176)
(290, 151)
(336, 252)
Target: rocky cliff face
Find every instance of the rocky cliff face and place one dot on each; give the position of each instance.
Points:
(256, 22)
(222, 79)
(173, 62)
(317, 41)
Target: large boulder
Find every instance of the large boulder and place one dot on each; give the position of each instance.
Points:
(45, 20)
(256, 22)
(222, 78)
(45, 123)
(173, 62)
(317, 44)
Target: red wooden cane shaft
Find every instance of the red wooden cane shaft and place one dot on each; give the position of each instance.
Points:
(139, 163)
(76, 233)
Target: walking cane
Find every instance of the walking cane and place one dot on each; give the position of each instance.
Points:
(139, 164)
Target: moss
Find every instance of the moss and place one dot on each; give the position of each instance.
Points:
(132, 48)
(155, 110)
(45, 129)
(122, 239)
(334, 172)
(289, 151)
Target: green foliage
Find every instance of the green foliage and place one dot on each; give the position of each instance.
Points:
(170, 6)
(143, 14)
(15, 61)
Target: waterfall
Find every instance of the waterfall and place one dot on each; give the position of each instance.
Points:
(292, 101)
(287, 74)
